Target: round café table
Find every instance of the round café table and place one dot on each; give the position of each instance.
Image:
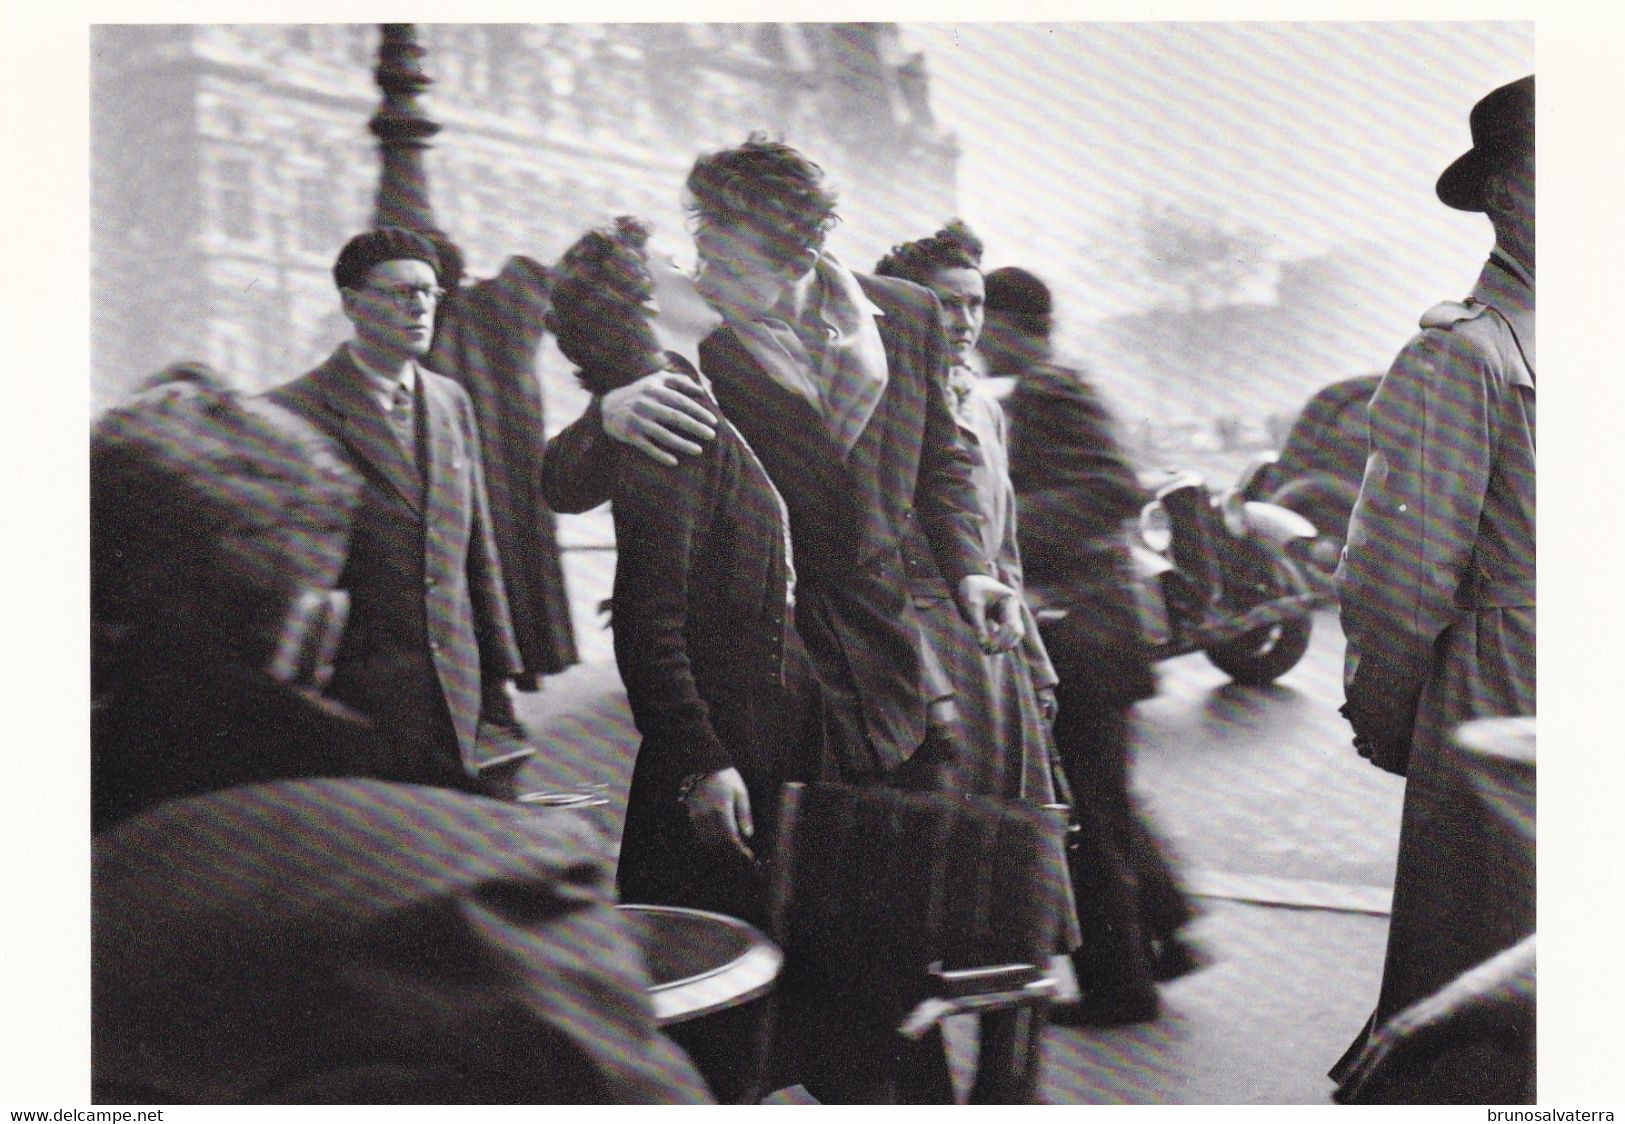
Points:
(701, 963)
(710, 978)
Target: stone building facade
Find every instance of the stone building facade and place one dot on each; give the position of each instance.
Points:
(229, 163)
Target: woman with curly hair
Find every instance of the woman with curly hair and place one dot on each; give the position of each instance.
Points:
(720, 685)
(1006, 710)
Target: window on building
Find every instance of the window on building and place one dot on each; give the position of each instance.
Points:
(315, 222)
(237, 218)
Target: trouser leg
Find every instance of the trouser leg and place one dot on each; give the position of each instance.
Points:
(1091, 735)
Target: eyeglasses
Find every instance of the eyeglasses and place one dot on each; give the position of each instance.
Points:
(407, 296)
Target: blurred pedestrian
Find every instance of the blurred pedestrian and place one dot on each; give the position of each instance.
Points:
(218, 528)
(1437, 583)
(721, 687)
(1075, 488)
(429, 649)
(198, 373)
(265, 928)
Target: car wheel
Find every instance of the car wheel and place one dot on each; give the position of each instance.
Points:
(1255, 575)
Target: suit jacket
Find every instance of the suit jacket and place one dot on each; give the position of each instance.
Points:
(354, 941)
(429, 627)
(899, 512)
(486, 336)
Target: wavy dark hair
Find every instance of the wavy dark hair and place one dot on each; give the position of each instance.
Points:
(955, 246)
(770, 189)
(600, 306)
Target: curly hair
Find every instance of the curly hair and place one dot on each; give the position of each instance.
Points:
(387, 243)
(770, 189)
(600, 306)
(207, 511)
(955, 246)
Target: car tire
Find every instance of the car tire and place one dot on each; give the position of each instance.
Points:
(1260, 657)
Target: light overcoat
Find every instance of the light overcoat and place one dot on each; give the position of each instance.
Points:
(1438, 603)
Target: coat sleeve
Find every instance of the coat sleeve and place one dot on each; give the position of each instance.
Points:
(1414, 527)
(945, 495)
(499, 650)
(578, 463)
(658, 515)
(1032, 644)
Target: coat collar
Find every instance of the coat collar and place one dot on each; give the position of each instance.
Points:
(346, 391)
(1509, 290)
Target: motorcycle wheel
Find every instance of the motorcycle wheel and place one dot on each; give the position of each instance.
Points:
(1260, 657)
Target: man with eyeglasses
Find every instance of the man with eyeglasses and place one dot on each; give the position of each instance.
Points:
(429, 648)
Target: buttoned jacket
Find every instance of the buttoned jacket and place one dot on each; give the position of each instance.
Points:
(701, 604)
(428, 629)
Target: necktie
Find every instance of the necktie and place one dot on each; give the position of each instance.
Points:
(400, 420)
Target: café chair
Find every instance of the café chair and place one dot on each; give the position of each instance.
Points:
(897, 910)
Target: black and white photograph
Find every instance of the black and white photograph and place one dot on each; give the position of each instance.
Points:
(956, 560)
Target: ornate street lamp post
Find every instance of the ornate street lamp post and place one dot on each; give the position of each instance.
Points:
(403, 130)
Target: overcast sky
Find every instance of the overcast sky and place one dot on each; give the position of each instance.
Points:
(1318, 134)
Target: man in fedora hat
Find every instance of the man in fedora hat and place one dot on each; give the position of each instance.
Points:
(1438, 580)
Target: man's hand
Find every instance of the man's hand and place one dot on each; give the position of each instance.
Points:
(719, 807)
(1047, 705)
(1382, 693)
(657, 415)
(993, 609)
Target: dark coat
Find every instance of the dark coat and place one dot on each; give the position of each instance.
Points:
(428, 629)
(486, 337)
(713, 668)
(900, 511)
(353, 941)
(1075, 486)
(1438, 603)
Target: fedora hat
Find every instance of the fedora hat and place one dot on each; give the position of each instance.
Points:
(1503, 124)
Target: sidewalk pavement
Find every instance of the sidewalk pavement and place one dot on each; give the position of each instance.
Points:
(1293, 974)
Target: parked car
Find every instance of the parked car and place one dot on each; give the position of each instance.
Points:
(1225, 577)
(1317, 471)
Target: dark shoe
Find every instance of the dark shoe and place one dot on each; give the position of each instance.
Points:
(1107, 1008)
(1174, 958)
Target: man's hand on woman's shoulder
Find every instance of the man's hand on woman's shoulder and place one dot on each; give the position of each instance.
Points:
(660, 414)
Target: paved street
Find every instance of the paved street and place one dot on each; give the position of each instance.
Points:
(1286, 836)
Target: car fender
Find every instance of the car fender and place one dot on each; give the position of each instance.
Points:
(1274, 524)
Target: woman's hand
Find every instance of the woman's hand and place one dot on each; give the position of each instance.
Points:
(719, 808)
(993, 609)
